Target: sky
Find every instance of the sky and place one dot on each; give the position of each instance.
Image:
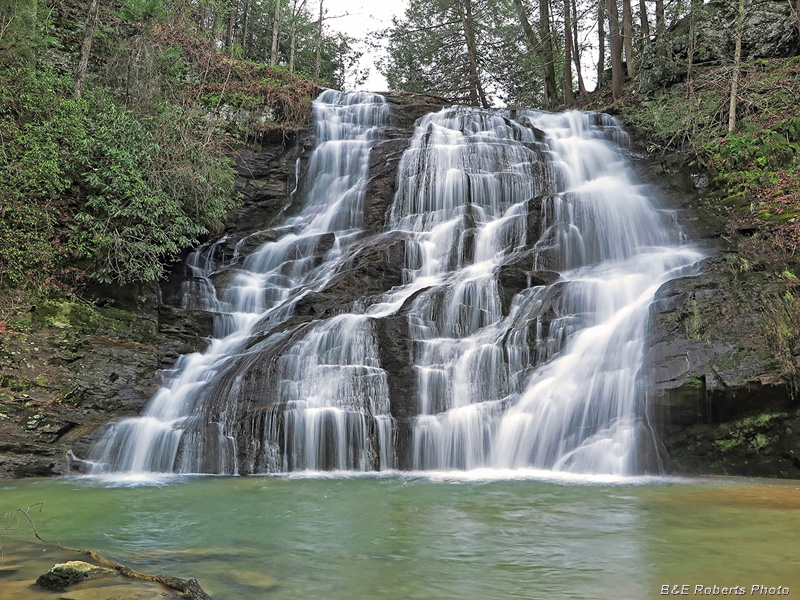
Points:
(362, 17)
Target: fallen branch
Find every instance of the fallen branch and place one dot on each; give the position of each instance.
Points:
(190, 588)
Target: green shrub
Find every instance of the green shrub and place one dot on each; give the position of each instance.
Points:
(92, 182)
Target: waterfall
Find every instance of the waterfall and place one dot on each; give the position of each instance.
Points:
(526, 258)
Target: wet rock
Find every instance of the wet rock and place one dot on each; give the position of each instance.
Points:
(708, 363)
(249, 243)
(512, 279)
(404, 110)
(372, 268)
(75, 571)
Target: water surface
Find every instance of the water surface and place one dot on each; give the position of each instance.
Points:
(441, 537)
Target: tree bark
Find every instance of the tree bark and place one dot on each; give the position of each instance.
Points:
(645, 23)
(293, 37)
(475, 89)
(319, 42)
(601, 41)
(737, 57)
(86, 48)
(245, 31)
(276, 31)
(231, 21)
(627, 32)
(616, 49)
(551, 91)
(566, 81)
(660, 20)
(576, 52)
(530, 35)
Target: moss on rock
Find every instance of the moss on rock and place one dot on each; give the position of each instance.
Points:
(69, 573)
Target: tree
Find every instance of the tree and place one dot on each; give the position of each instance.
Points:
(434, 48)
(645, 22)
(296, 10)
(86, 47)
(601, 41)
(566, 82)
(319, 41)
(276, 31)
(576, 49)
(627, 33)
(551, 92)
(616, 49)
(476, 88)
(737, 57)
(661, 28)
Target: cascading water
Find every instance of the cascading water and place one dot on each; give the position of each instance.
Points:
(530, 257)
(176, 432)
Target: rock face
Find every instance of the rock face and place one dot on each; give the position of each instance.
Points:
(769, 30)
(721, 397)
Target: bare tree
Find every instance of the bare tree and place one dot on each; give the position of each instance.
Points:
(86, 48)
(737, 58)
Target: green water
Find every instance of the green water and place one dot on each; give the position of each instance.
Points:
(414, 538)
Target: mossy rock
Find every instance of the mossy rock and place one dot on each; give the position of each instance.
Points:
(65, 574)
(84, 318)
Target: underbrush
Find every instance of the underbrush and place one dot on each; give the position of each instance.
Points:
(756, 168)
(92, 190)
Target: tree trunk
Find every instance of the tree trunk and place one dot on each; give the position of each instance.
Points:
(576, 52)
(475, 89)
(551, 91)
(276, 31)
(245, 32)
(616, 49)
(231, 20)
(86, 48)
(601, 41)
(566, 81)
(530, 35)
(690, 52)
(645, 23)
(660, 21)
(293, 37)
(627, 32)
(737, 57)
(319, 42)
